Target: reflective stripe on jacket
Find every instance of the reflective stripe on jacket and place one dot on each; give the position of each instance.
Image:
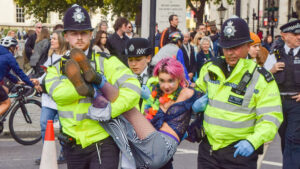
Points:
(255, 116)
(73, 108)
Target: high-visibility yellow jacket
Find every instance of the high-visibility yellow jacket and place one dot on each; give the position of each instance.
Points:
(72, 107)
(230, 117)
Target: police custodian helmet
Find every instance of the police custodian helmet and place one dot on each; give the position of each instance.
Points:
(77, 18)
(234, 32)
(137, 47)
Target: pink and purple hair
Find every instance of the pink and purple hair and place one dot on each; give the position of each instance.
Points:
(172, 67)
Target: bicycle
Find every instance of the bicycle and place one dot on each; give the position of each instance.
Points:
(24, 116)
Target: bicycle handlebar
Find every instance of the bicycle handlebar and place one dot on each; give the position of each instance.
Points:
(24, 90)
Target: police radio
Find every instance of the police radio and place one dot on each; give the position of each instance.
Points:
(240, 89)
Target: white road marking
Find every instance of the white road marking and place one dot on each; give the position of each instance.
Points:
(187, 151)
(272, 163)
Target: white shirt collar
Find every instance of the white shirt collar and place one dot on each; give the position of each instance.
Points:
(86, 52)
(145, 72)
(144, 75)
(287, 49)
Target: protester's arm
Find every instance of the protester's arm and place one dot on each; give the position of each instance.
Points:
(268, 113)
(120, 76)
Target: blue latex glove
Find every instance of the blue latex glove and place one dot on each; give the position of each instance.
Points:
(145, 92)
(103, 81)
(243, 148)
(200, 104)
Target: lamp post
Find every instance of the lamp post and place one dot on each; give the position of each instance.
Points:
(254, 17)
(221, 11)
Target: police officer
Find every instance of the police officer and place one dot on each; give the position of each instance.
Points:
(138, 52)
(86, 143)
(284, 63)
(244, 108)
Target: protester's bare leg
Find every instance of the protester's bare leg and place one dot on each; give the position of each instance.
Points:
(141, 125)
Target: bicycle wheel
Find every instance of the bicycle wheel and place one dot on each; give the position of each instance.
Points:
(24, 122)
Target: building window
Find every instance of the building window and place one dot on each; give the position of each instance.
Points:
(19, 14)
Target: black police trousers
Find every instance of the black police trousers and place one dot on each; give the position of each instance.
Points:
(103, 156)
(223, 158)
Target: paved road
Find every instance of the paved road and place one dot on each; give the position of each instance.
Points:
(14, 155)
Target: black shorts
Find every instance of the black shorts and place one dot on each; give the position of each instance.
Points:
(3, 94)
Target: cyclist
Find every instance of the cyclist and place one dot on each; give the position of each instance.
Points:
(4, 100)
(8, 47)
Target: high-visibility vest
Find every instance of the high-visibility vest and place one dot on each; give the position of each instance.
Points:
(229, 117)
(72, 107)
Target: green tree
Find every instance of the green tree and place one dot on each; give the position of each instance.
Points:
(41, 8)
(125, 8)
(199, 11)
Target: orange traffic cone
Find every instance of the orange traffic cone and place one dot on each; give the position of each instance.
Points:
(48, 160)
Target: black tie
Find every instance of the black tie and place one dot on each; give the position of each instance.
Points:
(291, 52)
(140, 79)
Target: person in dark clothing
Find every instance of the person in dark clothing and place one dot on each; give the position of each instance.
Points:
(284, 63)
(29, 45)
(173, 20)
(157, 38)
(188, 55)
(117, 41)
(268, 41)
(214, 36)
(204, 54)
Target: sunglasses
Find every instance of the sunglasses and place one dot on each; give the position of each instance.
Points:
(39, 27)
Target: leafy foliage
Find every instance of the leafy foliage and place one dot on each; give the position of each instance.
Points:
(41, 8)
(128, 8)
(124, 8)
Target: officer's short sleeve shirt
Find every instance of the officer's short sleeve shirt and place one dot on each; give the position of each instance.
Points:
(271, 60)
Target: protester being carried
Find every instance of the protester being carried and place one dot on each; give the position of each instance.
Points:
(168, 122)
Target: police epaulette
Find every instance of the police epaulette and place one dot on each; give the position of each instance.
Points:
(67, 55)
(267, 75)
(103, 54)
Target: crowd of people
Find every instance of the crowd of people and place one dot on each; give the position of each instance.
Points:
(114, 93)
